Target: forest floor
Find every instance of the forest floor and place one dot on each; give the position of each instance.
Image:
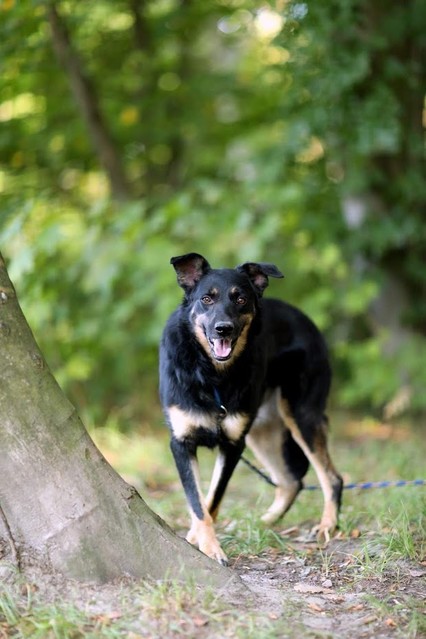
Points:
(331, 593)
(369, 582)
(305, 592)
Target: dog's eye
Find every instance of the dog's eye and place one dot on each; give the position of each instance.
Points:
(241, 300)
(206, 299)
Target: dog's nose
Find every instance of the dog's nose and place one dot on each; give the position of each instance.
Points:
(224, 329)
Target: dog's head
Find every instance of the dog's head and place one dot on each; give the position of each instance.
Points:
(222, 302)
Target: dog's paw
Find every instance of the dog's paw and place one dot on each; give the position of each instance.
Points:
(327, 525)
(207, 543)
(271, 517)
(284, 497)
(214, 551)
(323, 532)
(192, 536)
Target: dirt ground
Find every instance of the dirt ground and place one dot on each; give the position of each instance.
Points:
(307, 592)
(330, 593)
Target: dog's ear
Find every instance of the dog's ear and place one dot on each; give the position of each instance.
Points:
(189, 268)
(258, 274)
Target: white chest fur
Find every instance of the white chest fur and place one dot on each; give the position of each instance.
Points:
(185, 423)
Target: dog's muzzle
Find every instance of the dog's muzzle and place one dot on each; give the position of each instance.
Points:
(222, 344)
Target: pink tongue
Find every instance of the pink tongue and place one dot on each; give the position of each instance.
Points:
(222, 347)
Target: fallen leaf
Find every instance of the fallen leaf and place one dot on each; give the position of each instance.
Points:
(315, 607)
(390, 623)
(334, 597)
(339, 535)
(289, 531)
(355, 533)
(311, 589)
(368, 620)
(200, 621)
(107, 617)
(27, 588)
(308, 588)
(359, 606)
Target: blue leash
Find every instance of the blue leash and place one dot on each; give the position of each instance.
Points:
(360, 485)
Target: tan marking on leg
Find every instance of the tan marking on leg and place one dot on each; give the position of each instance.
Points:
(217, 472)
(265, 439)
(202, 531)
(192, 536)
(320, 460)
(284, 497)
(202, 534)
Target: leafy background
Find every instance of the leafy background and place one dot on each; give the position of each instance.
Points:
(289, 132)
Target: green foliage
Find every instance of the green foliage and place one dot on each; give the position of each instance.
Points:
(244, 129)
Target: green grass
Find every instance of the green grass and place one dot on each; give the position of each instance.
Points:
(362, 450)
(408, 610)
(160, 610)
(20, 618)
(389, 526)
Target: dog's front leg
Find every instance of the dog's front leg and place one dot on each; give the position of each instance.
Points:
(228, 457)
(201, 532)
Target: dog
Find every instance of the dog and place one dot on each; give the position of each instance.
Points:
(237, 369)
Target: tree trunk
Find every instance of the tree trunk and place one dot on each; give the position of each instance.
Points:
(60, 501)
(85, 96)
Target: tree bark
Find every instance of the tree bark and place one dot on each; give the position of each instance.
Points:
(60, 501)
(85, 96)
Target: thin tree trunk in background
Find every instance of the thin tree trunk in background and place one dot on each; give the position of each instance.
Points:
(171, 173)
(145, 45)
(61, 503)
(175, 166)
(85, 96)
(142, 35)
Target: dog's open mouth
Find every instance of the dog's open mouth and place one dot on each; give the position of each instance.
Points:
(222, 348)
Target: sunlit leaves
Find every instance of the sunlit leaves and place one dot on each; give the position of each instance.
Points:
(248, 131)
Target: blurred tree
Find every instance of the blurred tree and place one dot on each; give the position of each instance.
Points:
(288, 131)
(378, 139)
(364, 80)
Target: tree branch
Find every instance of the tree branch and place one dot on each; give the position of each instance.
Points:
(85, 96)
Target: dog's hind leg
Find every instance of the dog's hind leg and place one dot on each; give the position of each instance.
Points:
(310, 433)
(269, 439)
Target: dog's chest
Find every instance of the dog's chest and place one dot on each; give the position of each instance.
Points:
(190, 424)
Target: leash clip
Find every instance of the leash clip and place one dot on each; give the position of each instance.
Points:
(222, 411)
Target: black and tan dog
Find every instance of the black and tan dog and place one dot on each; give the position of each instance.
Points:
(237, 370)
